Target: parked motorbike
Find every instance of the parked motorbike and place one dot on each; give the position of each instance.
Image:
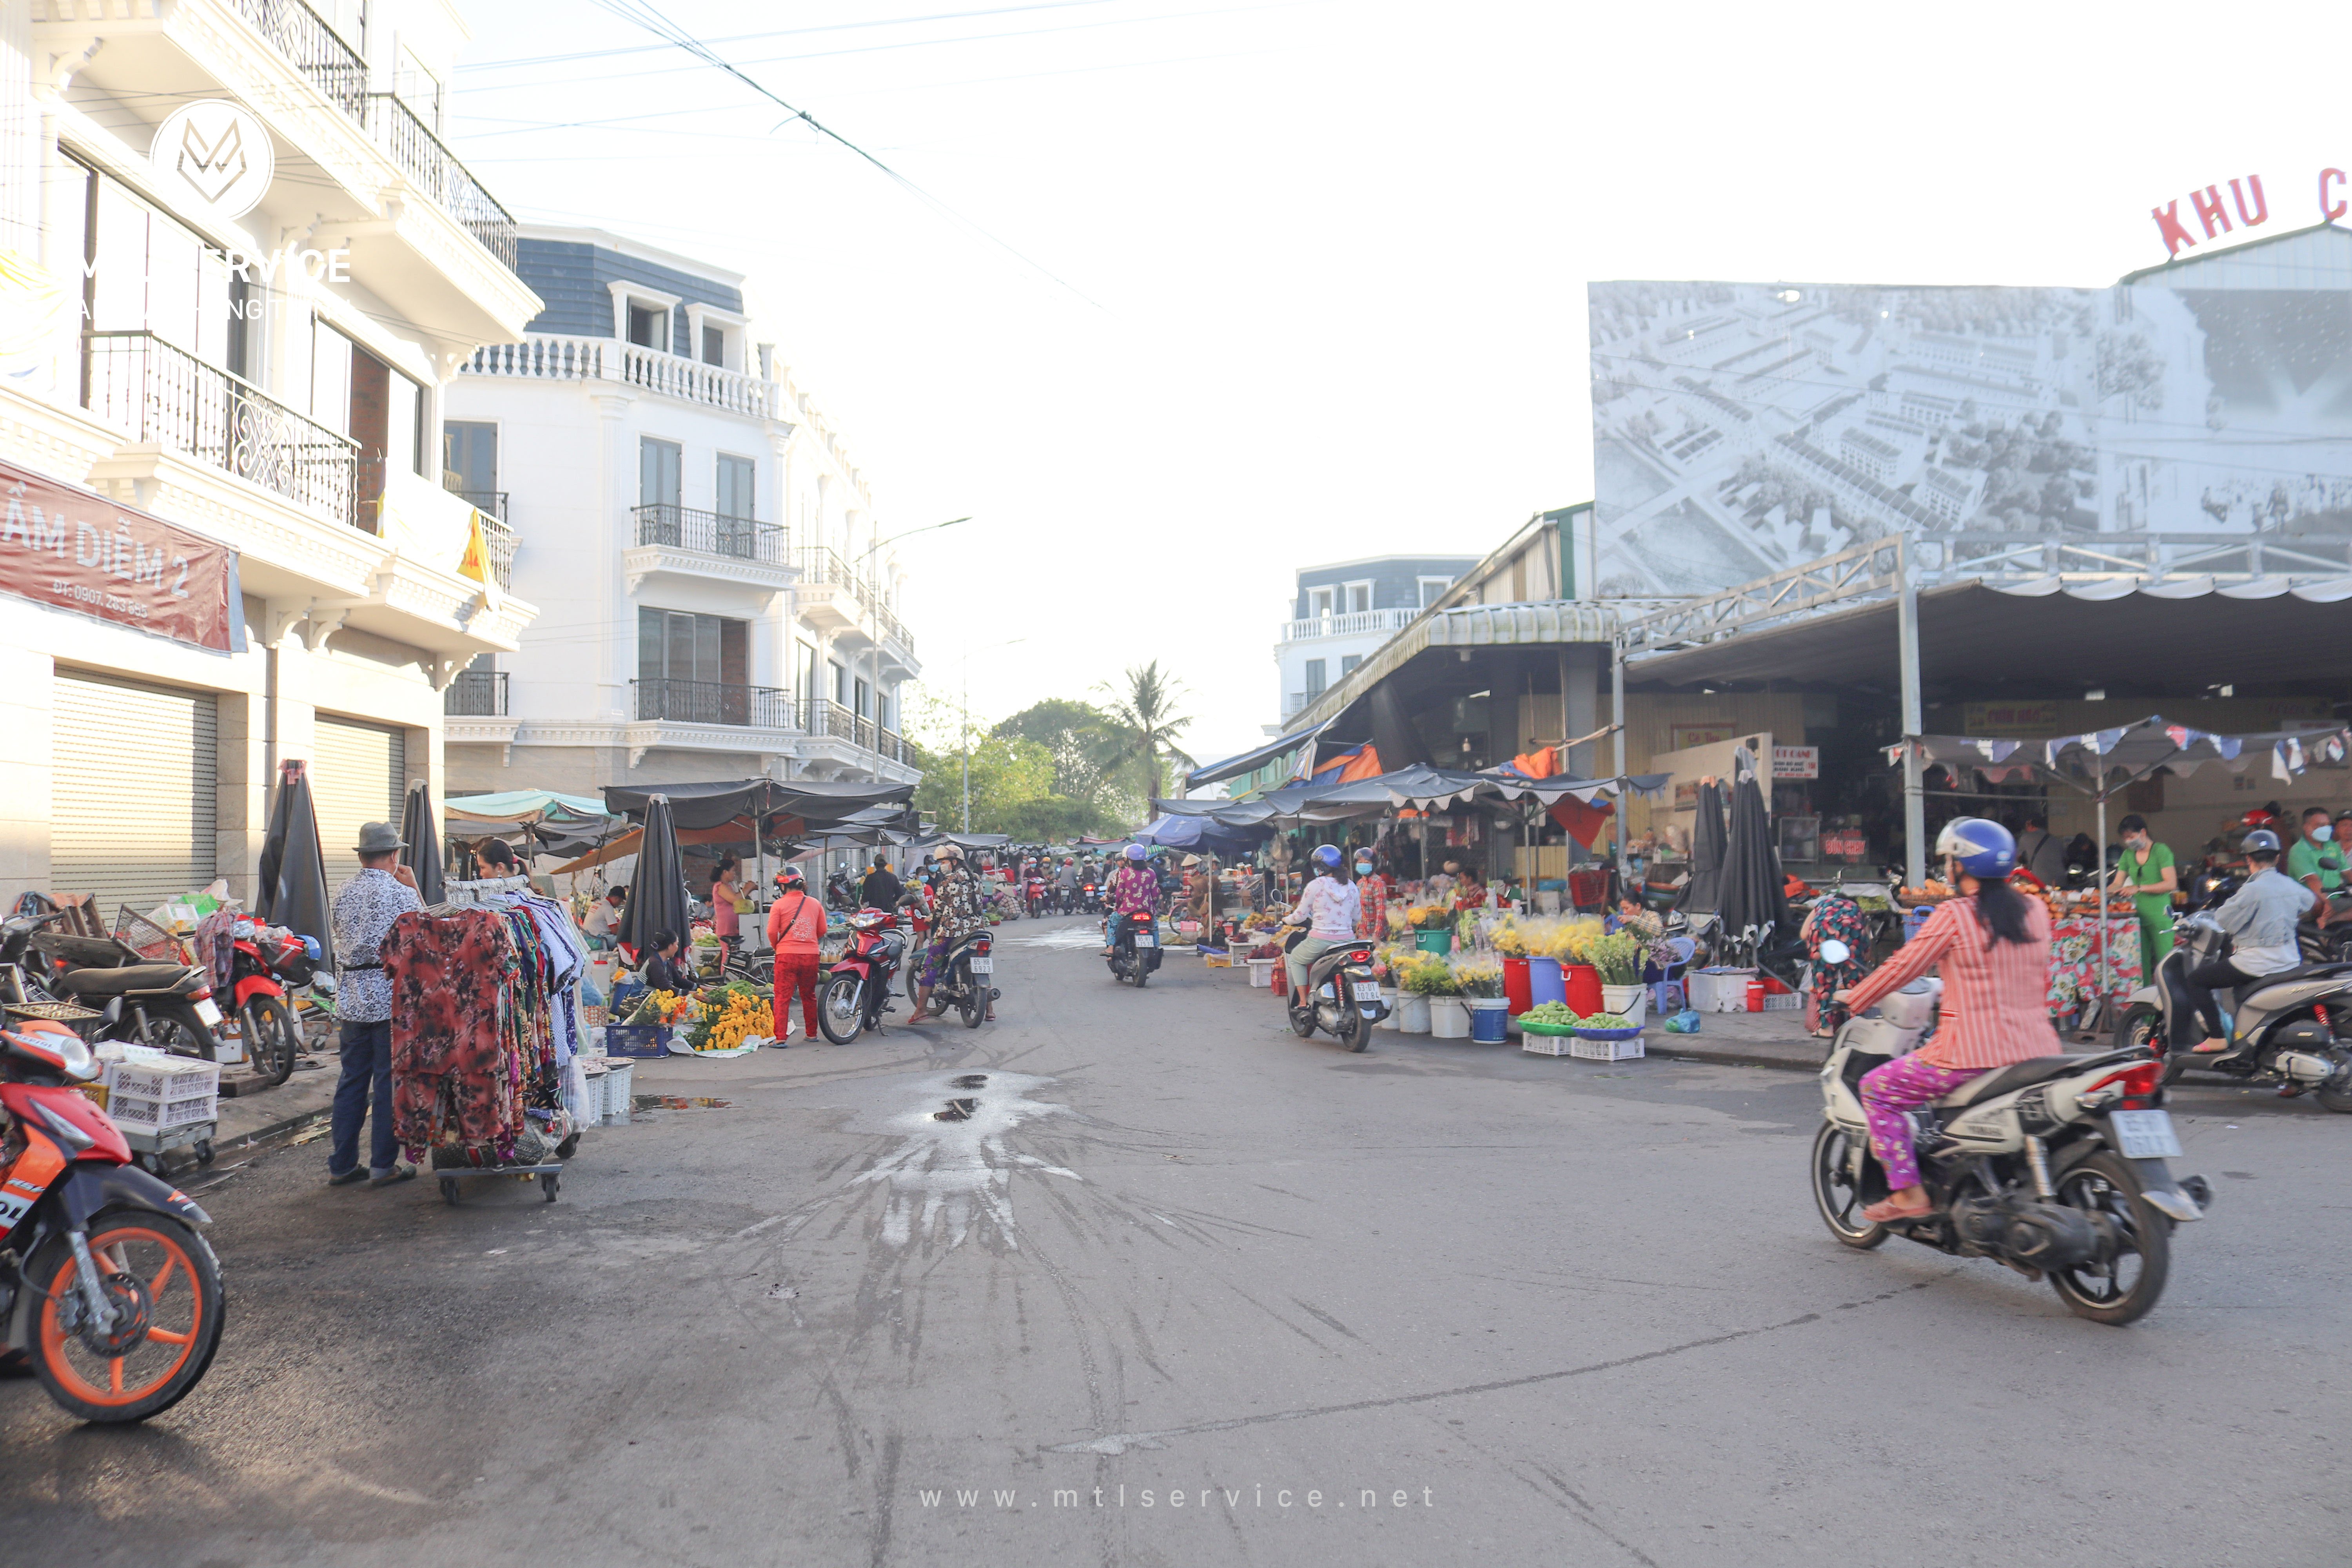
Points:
(1135, 950)
(857, 992)
(266, 960)
(1342, 998)
(2055, 1167)
(2277, 1026)
(107, 1285)
(167, 1005)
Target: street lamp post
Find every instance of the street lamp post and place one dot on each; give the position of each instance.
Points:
(964, 728)
(855, 571)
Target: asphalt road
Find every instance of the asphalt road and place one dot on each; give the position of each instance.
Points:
(1181, 1288)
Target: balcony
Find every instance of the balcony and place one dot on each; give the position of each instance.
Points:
(708, 547)
(435, 170)
(490, 503)
(837, 598)
(477, 694)
(714, 702)
(544, 357)
(853, 742)
(1357, 623)
(165, 396)
(313, 48)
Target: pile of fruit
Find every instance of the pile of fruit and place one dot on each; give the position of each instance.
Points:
(1560, 1016)
(730, 1016)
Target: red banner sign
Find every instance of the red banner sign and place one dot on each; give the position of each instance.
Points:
(68, 547)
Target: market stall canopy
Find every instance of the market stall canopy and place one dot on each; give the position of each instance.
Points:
(2176, 637)
(974, 841)
(525, 805)
(1514, 785)
(1172, 832)
(818, 803)
(2133, 750)
(1254, 759)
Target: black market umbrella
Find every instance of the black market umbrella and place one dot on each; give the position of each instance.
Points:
(657, 897)
(422, 838)
(1750, 894)
(1702, 894)
(292, 876)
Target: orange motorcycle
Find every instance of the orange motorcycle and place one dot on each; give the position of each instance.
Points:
(107, 1285)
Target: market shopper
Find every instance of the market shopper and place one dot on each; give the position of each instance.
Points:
(1992, 944)
(604, 918)
(364, 908)
(2040, 852)
(726, 902)
(880, 889)
(1372, 898)
(797, 924)
(956, 912)
(1134, 890)
(1328, 910)
(2316, 860)
(2147, 869)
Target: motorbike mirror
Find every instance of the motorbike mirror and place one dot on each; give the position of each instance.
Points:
(1836, 952)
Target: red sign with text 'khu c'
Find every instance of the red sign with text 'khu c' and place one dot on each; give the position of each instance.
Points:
(73, 549)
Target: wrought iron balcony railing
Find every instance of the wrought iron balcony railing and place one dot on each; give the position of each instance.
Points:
(159, 392)
(710, 533)
(426, 160)
(714, 702)
(477, 694)
(315, 50)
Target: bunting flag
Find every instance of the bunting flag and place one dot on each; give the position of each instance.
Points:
(1583, 822)
(475, 563)
(2179, 735)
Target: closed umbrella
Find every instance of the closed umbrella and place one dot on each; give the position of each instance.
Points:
(292, 876)
(1751, 898)
(1703, 893)
(423, 838)
(657, 897)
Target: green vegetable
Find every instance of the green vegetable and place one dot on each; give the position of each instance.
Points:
(1606, 1021)
(1559, 1012)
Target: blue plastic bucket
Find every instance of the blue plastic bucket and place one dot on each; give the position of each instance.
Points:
(1545, 983)
(1489, 1022)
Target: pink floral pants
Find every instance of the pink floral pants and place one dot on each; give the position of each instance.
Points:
(1889, 1091)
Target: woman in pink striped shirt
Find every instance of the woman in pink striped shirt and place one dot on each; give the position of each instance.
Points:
(1992, 946)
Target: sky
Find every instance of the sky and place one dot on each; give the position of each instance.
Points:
(1174, 297)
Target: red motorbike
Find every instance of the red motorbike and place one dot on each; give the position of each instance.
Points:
(857, 992)
(265, 960)
(1036, 896)
(107, 1284)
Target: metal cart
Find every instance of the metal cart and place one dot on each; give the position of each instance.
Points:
(549, 1177)
(151, 1147)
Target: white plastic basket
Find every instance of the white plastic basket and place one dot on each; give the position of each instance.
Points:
(620, 1084)
(1724, 991)
(138, 1111)
(1791, 1003)
(1548, 1044)
(1587, 1050)
(1262, 972)
(164, 1082)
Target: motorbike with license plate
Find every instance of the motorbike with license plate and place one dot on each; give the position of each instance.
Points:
(2275, 1029)
(266, 961)
(1135, 951)
(108, 1286)
(968, 979)
(856, 991)
(1342, 997)
(167, 1005)
(1034, 896)
(2055, 1167)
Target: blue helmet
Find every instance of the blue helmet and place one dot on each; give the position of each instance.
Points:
(1328, 857)
(1135, 852)
(1984, 849)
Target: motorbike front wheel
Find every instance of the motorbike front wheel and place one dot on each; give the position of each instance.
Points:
(272, 1040)
(1836, 1193)
(841, 1008)
(166, 1290)
(177, 1029)
(2121, 1289)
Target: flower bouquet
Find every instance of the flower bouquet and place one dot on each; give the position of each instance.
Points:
(1427, 974)
(1479, 977)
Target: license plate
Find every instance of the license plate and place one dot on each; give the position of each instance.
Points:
(210, 1014)
(981, 964)
(1146, 942)
(2143, 1134)
(1367, 989)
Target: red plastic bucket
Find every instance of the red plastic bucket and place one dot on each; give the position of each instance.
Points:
(1582, 983)
(1519, 987)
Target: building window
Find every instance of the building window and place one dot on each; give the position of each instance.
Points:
(714, 346)
(841, 684)
(648, 326)
(1319, 605)
(659, 468)
(808, 669)
(1313, 676)
(678, 644)
(1348, 661)
(1432, 589)
(1360, 598)
(469, 460)
(738, 487)
(860, 706)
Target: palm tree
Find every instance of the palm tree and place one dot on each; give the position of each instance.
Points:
(1141, 728)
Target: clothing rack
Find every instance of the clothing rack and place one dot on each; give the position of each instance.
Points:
(469, 895)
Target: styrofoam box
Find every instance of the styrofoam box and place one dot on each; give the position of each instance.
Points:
(164, 1082)
(138, 1111)
(1587, 1050)
(1723, 993)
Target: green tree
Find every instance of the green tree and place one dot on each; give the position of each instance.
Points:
(1140, 733)
(1076, 733)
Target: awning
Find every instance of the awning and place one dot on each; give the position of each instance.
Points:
(1551, 622)
(817, 802)
(2180, 639)
(2135, 750)
(515, 806)
(1254, 759)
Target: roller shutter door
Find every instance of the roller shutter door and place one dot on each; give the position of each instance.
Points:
(359, 772)
(135, 782)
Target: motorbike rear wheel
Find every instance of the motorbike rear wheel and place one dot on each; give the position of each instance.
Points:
(155, 1265)
(272, 1040)
(1302, 1019)
(2335, 1098)
(1355, 1030)
(177, 1029)
(841, 1008)
(1836, 1193)
(2106, 1184)
(971, 1004)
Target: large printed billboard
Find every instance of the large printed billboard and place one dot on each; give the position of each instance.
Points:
(1739, 428)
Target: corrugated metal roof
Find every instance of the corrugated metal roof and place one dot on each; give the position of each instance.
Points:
(1467, 625)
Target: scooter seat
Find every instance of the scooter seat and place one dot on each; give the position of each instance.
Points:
(132, 977)
(2014, 1076)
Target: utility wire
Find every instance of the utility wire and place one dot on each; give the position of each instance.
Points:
(644, 15)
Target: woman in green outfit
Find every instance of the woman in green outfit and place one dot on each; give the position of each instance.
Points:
(2147, 871)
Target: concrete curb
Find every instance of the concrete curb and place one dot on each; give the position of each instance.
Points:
(1729, 1056)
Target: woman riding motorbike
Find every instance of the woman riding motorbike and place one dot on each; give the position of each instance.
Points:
(1328, 910)
(1993, 946)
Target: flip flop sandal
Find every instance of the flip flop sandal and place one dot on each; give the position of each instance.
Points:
(1887, 1213)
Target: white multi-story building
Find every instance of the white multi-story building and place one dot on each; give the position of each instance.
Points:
(238, 268)
(1343, 611)
(720, 602)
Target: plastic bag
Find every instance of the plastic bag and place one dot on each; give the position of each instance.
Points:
(1683, 1022)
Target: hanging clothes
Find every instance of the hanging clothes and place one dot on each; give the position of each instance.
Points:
(456, 1062)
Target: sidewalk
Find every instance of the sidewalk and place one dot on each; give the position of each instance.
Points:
(258, 1112)
(1741, 1039)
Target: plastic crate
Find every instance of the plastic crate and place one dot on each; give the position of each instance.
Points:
(636, 1040)
(1537, 1044)
(1718, 990)
(1261, 971)
(164, 1082)
(138, 1111)
(1585, 1048)
(1786, 1001)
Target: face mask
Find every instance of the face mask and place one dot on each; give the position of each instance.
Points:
(2322, 833)
(1363, 868)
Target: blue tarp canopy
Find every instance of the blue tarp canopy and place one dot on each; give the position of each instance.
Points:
(1198, 833)
(516, 806)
